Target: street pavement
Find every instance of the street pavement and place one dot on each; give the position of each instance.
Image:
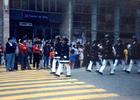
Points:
(41, 85)
(127, 86)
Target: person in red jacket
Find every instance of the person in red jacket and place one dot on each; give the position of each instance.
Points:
(1, 53)
(36, 55)
(24, 55)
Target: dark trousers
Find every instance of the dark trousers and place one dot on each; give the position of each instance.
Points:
(36, 60)
(16, 62)
(24, 62)
(30, 58)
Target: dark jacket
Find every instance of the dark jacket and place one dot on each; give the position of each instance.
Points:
(58, 49)
(65, 51)
(107, 51)
(134, 51)
(119, 48)
(46, 50)
(10, 49)
(94, 52)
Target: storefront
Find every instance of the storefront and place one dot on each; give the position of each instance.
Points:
(34, 24)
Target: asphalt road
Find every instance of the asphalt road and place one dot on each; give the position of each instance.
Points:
(127, 86)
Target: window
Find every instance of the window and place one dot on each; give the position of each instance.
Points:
(25, 4)
(46, 5)
(17, 4)
(11, 3)
(39, 5)
(32, 4)
(53, 5)
(61, 5)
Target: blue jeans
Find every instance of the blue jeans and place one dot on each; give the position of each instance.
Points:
(10, 61)
(46, 61)
(24, 62)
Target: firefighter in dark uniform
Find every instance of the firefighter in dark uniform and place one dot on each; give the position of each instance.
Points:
(134, 55)
(87, 54)
(118, 56)
(107, 54)
(94, 57)
(64, 58)
(57, 47)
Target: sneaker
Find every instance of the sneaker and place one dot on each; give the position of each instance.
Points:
(101, 73)
(88, 70)
(68, 75)
(112, 73)
(57, 75)
(52, 73)
(127, 71)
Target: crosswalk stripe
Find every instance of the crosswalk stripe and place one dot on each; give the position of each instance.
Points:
(59, 93)
(31, 79)
(85, 97)
(19, 77)
(25, 74)
(44, 84)
(37, 82)
(46, 89)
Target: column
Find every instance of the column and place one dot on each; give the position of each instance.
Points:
(66, 26)
(70, 20)
(116, 23)
(6, 23)
(1, 21)
(94, 22)
(137, 25)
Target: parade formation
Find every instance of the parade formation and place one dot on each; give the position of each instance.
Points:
(58, 55)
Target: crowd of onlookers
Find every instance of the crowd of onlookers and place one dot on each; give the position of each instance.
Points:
(26, 54)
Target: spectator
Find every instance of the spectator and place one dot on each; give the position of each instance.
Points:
(36, 55)
(72, 58)
(10, 55)
(46, 52)
(24, 55)
(51, 55)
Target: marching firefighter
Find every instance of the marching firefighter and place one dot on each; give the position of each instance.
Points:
(107, 54)
(64, 60)
(87, 58)
(57, 48)
(118, 55)
(134, 56)
(94, 57)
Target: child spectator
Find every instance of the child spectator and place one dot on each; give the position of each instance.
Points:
(51, 55)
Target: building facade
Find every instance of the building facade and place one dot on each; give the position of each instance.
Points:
(1, 21)
(77, 19)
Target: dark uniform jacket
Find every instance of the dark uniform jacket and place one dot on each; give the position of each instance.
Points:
(65, 51)
(58, 47)
(119, 49)
(107, 51)
(134, 51)
(94, 52)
